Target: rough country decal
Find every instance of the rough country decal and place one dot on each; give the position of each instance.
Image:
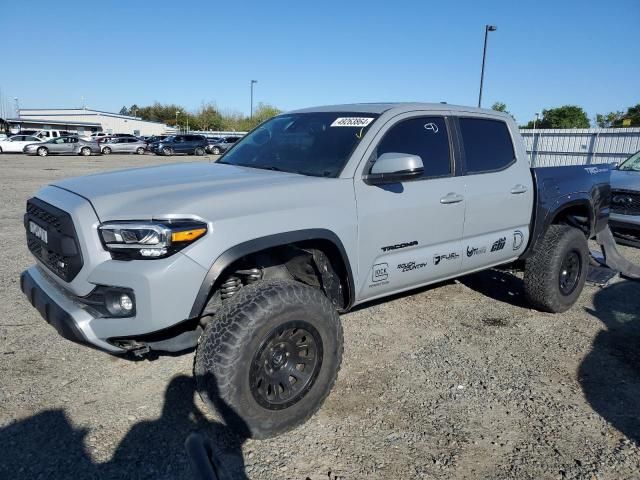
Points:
(399, 245)
(380, 272)
(595, 170)
(449, 256)
(499, 244)
(409, 266)
(352, 122)
(471, 251)
(518, 238)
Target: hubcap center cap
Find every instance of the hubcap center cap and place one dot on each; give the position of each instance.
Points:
(278, 357)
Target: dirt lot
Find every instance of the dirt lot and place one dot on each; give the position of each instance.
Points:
(461, 380)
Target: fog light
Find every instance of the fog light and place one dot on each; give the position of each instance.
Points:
(126, 303)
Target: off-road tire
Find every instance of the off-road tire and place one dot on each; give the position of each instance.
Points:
(543, 269)
(230, 342)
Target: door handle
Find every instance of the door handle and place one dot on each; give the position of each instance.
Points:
(451, 198)
(518, 189)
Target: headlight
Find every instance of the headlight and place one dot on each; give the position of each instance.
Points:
(148, 240)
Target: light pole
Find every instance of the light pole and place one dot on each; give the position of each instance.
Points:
(177, 112)
(15, 99)
(487, 29)
(252, 83)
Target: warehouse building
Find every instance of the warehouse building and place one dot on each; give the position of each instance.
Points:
(85, 122)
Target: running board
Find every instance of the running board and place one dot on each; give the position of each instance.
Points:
(612, 257)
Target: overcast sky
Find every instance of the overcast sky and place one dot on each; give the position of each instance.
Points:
(544, 53)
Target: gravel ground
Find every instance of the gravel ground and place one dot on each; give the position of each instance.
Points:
(460, 380)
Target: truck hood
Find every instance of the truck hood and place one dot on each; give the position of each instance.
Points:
(177, 189)
(625, 180)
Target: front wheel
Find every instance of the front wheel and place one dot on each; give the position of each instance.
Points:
(85, 151)
(270, 357)
(42, 151)
(216, 150)
(167, 151)
(199, 151)
(555, 274)
(106, 151)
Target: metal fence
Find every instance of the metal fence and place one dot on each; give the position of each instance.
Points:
(580, 146)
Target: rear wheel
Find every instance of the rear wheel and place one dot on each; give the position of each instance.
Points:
(555, 274)
(199, 151)
(140, 151)
(85, 151)
(106, 150)
(270, 357)
(42, 151)
(216, 150)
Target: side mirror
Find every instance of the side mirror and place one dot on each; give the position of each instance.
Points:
(395, 167)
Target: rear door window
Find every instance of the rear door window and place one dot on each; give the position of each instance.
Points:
(487, 145)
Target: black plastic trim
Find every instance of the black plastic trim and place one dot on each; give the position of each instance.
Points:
(258, 244)
(53, 313)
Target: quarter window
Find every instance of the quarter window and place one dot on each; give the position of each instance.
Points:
(426, 137)
(487, 145)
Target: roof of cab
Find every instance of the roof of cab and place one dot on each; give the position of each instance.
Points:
(379, 108)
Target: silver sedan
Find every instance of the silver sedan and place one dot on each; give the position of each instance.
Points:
(63, 145)
(123, 145)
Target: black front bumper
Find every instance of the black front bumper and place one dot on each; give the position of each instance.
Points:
(55, 315)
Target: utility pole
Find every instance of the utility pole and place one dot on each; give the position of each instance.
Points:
(487, 29)
(252, 83)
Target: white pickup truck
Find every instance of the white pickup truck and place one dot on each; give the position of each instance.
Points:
(252, 257)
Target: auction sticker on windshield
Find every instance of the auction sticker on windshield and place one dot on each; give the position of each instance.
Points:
(352, 122)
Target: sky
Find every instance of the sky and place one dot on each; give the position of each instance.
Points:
(544, 54)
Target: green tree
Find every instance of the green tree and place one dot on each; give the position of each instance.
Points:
(124, 111)
(500, 107)
(629, 119)
(605, 120)
(567, 116)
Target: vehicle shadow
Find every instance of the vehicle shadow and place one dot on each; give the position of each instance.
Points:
(610, 373)
(499, 285)
(47, 445)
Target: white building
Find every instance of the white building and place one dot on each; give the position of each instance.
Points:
(85, 122)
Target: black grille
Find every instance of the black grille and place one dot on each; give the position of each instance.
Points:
(625, 202)
(60, 252)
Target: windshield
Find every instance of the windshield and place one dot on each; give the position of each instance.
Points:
(631, 163)
(317, 144)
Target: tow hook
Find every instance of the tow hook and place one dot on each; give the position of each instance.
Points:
(140, 351)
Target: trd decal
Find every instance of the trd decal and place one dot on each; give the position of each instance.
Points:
(499, 244)
(449, 256)
(399, 245)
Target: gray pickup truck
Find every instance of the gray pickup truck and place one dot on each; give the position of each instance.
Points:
(250, 259)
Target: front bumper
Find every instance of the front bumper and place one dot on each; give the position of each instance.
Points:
(60, 310)
(630, 222)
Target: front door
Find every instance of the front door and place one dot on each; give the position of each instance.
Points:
(410, 233)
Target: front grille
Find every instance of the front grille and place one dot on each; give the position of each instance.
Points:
(625, 202)
(60, 252)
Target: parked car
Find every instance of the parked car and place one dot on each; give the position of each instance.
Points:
(250, 259)
(625, 201)
(16, 143)
(62, 145)
(48, 134)
(187, 144)
(223, 145)
(123, 145)
(155, 138)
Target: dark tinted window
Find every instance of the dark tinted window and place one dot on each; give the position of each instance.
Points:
(487, 144)
(426, 137)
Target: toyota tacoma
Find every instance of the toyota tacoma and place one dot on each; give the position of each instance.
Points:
(250, 259)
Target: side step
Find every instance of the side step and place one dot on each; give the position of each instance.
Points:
(612, 257)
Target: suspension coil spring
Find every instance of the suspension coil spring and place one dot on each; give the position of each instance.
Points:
(253, 275)
(230, 287)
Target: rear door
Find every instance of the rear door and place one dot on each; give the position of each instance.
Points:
(410, 233)
(498, 191)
